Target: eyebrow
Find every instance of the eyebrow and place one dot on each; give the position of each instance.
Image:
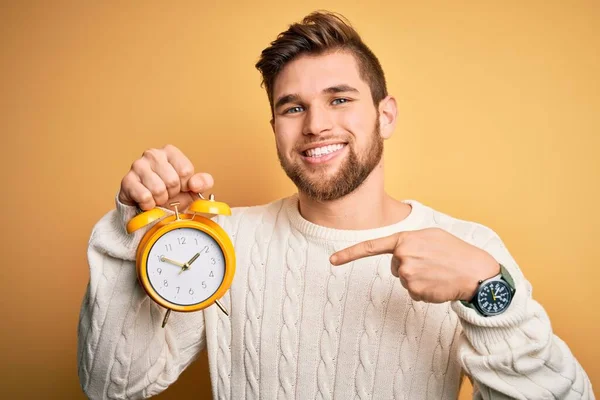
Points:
(288, 98)
(292, 98)
(340, 89)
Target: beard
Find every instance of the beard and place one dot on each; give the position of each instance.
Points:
(319, 185)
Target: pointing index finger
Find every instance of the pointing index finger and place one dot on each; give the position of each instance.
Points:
(373, 247)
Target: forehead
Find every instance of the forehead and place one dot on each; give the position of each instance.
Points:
(308, 74)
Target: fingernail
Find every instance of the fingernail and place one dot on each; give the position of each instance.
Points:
(333, 259)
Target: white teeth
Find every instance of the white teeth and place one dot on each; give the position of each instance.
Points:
(321, 151)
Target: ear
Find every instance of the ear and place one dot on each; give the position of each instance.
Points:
(388, 112)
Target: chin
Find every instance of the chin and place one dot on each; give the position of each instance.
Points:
(321, 174)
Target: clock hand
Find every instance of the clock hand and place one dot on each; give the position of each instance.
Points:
(165, 259)
(193, 259)
(187, 264)
(493, 294)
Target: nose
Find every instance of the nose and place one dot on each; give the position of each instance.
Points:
(317, 121)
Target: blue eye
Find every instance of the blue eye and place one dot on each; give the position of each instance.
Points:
(339, 101)
(293, 110)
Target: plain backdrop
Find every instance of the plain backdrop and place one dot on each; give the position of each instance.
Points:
(499, 123)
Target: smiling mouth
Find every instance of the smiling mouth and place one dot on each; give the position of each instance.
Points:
(323, 151)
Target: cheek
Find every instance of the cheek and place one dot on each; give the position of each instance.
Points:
(286, 136)
(360, 123)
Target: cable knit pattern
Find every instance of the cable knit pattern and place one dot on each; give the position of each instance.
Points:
(441, 354)
(349, 331)
(100, 290)
(99, 309)
(332, 316)
(224, 358)
(289, 336)
(89, 333)
(409, 349)
(223, 390)
(374, 318)
(254, 301)
(404, 352)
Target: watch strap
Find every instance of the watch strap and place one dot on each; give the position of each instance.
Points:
(507, 277)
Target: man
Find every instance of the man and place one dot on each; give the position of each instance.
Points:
(315, 310)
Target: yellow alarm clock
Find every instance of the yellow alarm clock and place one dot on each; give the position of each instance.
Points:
(186, 261)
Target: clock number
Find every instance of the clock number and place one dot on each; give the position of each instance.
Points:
(166, 283)
(168, 247)
(191, 292)
(159, 270)
(203, 285)
(212, 261)
(177, 289)
(181, 240)
(212, 274)
(204, 249)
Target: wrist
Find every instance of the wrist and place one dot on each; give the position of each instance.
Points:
(485, 268)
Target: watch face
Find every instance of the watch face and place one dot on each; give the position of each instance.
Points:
(494, 297)
(185, 266)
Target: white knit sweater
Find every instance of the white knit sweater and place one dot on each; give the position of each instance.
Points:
(302, 329)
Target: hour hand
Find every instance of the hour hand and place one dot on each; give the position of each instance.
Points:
(165, 259)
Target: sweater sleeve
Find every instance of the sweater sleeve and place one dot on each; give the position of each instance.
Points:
(515, 355)
(123, 352)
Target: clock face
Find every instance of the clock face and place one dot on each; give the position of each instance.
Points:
(494, 298)
(185, 266)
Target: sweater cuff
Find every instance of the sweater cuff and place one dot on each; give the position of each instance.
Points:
(110, 233)
(485, 332)
(124, 214)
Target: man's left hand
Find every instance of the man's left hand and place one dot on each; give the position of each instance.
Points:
(432, 264)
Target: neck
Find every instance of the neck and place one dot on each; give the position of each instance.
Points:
(367, 207)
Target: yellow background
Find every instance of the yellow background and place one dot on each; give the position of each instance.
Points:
(499, 123)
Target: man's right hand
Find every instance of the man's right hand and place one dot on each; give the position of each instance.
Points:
(162, 176)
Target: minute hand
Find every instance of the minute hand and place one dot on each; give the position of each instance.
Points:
(192, 259)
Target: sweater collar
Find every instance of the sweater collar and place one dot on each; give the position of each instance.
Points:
(412, 222)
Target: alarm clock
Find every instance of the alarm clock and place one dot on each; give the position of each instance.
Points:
(186, 261)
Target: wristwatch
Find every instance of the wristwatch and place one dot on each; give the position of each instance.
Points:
(493, 295)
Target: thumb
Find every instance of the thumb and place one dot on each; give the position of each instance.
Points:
(200, 182)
